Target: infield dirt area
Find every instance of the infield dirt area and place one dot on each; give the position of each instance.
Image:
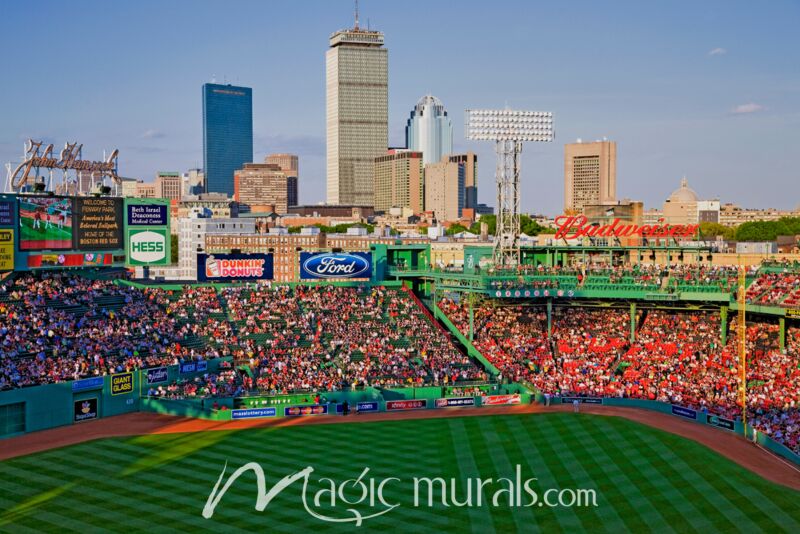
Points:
(729, 445)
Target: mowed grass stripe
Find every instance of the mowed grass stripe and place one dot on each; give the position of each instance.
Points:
(675, 506)
(600, 467)
(696, 490)
(557, 435)
(726, 494)
(480, 519)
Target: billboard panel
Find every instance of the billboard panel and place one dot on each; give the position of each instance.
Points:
(45, 223)
(98, 223)
(335, 265)
(6, 250)
(147, 214)
(148, 247)
(7, 210)
(224, 267)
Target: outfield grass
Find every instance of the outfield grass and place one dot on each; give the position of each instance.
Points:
(646, 479)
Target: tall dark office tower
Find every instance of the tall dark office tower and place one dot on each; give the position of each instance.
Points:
(227, 134)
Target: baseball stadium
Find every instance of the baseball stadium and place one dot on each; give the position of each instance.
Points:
(583, 389)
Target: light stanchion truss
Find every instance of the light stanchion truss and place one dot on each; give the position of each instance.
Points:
(508, 128)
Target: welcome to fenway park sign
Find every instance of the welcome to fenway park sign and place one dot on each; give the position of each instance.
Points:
(577, 226)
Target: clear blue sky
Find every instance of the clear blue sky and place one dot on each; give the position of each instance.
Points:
(709, 89)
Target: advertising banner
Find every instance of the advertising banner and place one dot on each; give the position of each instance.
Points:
(309, 409)
(156, 375)
(497, 400)
(582, 400)
(793, 313)
(225, 267)
(85, 410)
(96, 382)
(45, 223)
(413, 404)
(7, 249)
(98, 223)
(192, 366)
(721, 422)
(455, 402)
(688, 413)
(371, 406)
(69, 260)
(122, 383)
(148, 247)
(253, 413)
(147, 214)
(7, 209)
(335, 265)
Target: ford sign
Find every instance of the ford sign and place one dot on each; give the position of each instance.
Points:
(336, 265)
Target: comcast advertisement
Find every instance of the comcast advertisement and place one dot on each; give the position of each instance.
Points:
(147, 232)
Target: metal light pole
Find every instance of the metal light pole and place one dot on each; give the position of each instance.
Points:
(508, 129)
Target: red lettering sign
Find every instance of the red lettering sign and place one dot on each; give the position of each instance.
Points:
(577, 226)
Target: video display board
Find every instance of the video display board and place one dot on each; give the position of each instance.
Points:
(45, 223)
(98, 223)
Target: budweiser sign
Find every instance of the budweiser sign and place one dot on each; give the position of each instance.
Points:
(577, 226)
(67, 160)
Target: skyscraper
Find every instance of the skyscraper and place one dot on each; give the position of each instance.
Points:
(429, 130)
(470, 161)
(399, 181)
(590, 174)
(357, 114)
(227, 134)
(444, 189)
(290, 165)
(260, 185)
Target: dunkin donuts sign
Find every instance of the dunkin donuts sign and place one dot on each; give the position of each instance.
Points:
(335, 265)
(220, 267)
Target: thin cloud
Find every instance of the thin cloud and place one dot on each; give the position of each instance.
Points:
(717, 52)
(153, 134)
(744, 109)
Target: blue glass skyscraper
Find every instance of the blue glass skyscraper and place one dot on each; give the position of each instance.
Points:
(227, 134)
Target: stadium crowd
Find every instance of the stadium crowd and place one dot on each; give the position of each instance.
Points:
(676, 357)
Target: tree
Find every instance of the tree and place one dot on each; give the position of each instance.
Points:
(490, 220)
(710, 230)
(173, 249)
(456, 229)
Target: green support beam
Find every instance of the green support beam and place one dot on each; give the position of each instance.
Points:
(549, 318)
(782, 323)
(723, 327)
(471, 297)
(633, 322)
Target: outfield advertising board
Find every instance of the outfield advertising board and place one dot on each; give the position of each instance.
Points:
(156, 375)
(84, 410)
(96, 382)
(370, 406)
(98, 223)
(225, 267)
(307, 409)
(582, 400)
(455, 402)
(721, 422)
(8, 207)
(148, 246)
(688, 413)
(412, 404)
(253, 413)
(122, 383)
(497, 400)
(315, 266)
(192, 366)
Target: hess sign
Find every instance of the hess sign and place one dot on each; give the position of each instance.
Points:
(333, 265)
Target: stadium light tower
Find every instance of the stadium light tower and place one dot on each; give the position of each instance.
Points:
(508, 128)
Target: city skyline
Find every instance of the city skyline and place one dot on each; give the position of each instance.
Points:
(683, 89)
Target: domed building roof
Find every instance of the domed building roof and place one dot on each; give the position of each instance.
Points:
(684, 194)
